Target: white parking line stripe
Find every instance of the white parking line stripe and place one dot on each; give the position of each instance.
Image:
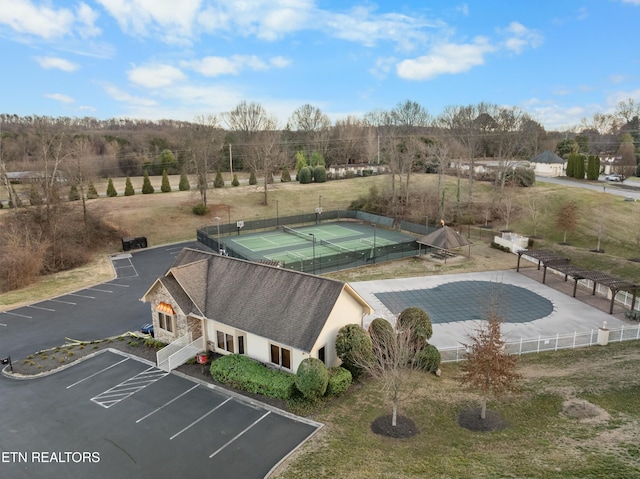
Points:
(40, 307)
(95, 374)
(63, 302)
(241, 433)
(200, 419)
(81, 296)
(129, 387)
(166, 404)
(16, 314)
(2, 324)
(120, 285)
(101, 290)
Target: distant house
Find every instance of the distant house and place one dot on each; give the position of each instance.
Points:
(548, 163)
(273, 315)
(24, 177)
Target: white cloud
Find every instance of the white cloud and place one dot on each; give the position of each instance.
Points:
(59, 63)
(618, 78)
(464, 9)
(215, 66)
(166, 19)
(614, 98)
(447, 58)
(60, 97)
(42, 21)
(155, 76)
(632, 2)
(519, 37)
(125, 97)
(87, 18)
(383, 67)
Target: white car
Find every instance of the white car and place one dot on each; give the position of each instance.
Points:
(616, 178)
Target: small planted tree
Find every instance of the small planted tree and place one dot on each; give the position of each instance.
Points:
(219, 181)
(73, 193)
(92, 193)
(252, 178)
(111, 190)
(147, 187)
(418, 322)
(165, 187)
(567, 218)
(184, 183)
(235, 181)
(312, 378)
(305, 175)
(319, 174)
(128, 188)
(286, 176)
(488, 368)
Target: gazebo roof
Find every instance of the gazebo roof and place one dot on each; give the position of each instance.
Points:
(444, 238)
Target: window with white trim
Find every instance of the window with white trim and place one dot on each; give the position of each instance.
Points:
(165, 321)
(225, 341)
(281, 356)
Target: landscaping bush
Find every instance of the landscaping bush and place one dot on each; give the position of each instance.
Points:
(219, 181)
(111, 190)
(184, 183)
(252, 178)
(305, 176)
(92, 193)
(147, 187)
(286, 176)
(73, 194)
(128, 188)
(353, 346)
(248, 375)
(381, 331)
(200, 209)
(235, 181)
(339, 381)
(420, 323)
(429, 358)
(312, 378)
(320, 174)
(165, 186)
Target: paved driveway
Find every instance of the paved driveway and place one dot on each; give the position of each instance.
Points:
(115, 416)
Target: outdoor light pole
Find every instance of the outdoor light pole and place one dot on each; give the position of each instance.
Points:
(374, 243)
(277, 216)
(320, 201)
(313, 242)
(426, 225)
(217, 218)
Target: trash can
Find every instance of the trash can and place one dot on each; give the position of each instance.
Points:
(603, 334)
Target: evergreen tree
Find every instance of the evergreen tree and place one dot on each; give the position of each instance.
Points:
(235, 181)
(319, 174)
(219, 181)
(147, 187)
(128, 188)
(252, 178)
(184, 183)
(286, 176)
(165, 187)
(92, 193)
(578, 170)
(111, 191)
(571, 165)
(34, 195)
(305, 175)
(73, 193)
(593, 167)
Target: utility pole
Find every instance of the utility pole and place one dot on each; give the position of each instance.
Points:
(231, 161)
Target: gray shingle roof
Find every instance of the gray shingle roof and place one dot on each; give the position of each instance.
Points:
(278, 304)
(444, 238)
(547, 157)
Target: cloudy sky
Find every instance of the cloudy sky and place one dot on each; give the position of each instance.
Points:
(560, 60)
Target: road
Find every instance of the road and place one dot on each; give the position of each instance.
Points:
(630, 187)
(101, 311)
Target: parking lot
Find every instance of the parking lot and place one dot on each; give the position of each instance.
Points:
(117, 416)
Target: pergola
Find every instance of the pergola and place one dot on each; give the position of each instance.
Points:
(549, 259)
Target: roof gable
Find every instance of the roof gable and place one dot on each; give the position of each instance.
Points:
(547, 157)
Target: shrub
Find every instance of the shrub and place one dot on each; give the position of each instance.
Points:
(128, 188)
(200, 209)
(305, 175)
(312, 378)
(243, 373)
(353, 347)
(381, 331)
(252, 178)
(269, 178)
(339, 381)
(429, 358)
(92, 193)
(111, 190)
(73, 194)
(165, 187)
(235, 181)
(219, 181)
(147, 187)
(154, 343)
(286, 176)
(184, 183)
(420, 323)
(320, 174)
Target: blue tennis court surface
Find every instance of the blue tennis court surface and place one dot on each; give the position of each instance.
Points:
(470, 300)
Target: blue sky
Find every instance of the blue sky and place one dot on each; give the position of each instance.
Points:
(559, 60)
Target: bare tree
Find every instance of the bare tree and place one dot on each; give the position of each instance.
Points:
(567, 217)
(202, 140)
(536, 214)
(488, 368)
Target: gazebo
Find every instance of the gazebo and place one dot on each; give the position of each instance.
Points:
(445, 239)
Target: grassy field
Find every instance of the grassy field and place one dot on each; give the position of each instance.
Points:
(575, 416)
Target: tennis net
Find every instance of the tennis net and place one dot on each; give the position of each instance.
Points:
(337, 247)
(293, 232)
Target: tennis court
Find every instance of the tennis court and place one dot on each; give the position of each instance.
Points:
(321, 247)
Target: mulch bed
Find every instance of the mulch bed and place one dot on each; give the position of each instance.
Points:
(404, 427)
(47, 361)
(470, 419)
